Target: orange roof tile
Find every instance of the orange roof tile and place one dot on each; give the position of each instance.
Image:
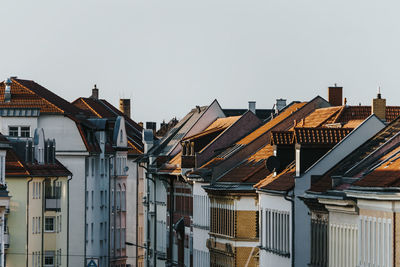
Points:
(284, 181)
(282, 137)
(328, 136)
(255, 134)
(319, 117)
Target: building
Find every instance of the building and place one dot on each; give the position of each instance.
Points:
(234, 229)
(39, 186)
(304, 145)
(130, 179)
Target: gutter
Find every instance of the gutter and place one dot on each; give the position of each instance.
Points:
(69, 179)
(137, 213)
(27, 216)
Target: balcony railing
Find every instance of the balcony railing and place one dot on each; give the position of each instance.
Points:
(53, 204)
(6, 240)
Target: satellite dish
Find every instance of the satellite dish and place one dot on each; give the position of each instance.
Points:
(272, 163)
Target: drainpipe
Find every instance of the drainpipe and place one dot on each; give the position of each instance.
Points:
(137, 212)
(86, 202)
(69, 179)
(27, 217)
(291, 200)
(171, 219)
(43, 197)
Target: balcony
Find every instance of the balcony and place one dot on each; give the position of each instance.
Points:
(53, 204)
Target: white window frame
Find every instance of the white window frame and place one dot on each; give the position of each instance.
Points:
(54, 224)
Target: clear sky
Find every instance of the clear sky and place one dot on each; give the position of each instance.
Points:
(170, 55)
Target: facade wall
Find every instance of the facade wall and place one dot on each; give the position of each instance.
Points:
(77, 207)
(16, 253)
(131, 207)
(269, 254)
(201, 225)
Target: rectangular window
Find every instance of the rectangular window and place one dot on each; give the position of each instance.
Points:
(92, 166)
(59, 224)
(49, 258)
(13, 131)
(38, 225)
(277, 232)
(91, 232)
(86, 233)
(25, 131)
(92, 199)
(49, 224)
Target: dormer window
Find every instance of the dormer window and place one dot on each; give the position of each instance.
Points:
(19, 131)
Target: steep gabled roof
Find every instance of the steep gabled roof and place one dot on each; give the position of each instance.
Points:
(359, 163)
(282, 182)
(267, 126)
(101, 108)
(29, 94)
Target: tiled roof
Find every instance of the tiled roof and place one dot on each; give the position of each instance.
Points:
(279, 118)
(359, 161)
(284, 181)
(102, 109)
(309, 136)
(319, 117)
(219, 124)
(282, 137)
(326, 136)
(17, 167)
(252, 170)
(29, 94)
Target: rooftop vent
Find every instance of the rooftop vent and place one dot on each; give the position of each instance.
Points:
(125, 106)
(252, 106)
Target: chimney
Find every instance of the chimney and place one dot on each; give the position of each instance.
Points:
(379, 106)
(252, 106)
(335, 95)
(151, 126)
(280, 104)
(125, 106)
(95, 93)
(7, 91)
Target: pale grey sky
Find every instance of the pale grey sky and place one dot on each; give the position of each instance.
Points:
(171, 55)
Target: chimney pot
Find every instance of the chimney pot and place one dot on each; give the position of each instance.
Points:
(125, 106)
(95, 93)
(335, 95)
(379, 106)
(252, 106)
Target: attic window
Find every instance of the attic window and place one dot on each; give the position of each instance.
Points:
(121, 135)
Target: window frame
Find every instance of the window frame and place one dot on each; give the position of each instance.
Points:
(53, 224)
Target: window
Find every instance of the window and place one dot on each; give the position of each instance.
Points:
(277, 236)
(49, 224)
(49, 258)
(38, 225)
(92, 199)
(92, 166)
(86, 233)
(25, 131)
(59, 224)
(19, 131)
(91, 232)
(13, 131)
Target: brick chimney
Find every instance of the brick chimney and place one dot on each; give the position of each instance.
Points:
(125, 106)
(379, 106)
(95, 93)
(335, 95)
